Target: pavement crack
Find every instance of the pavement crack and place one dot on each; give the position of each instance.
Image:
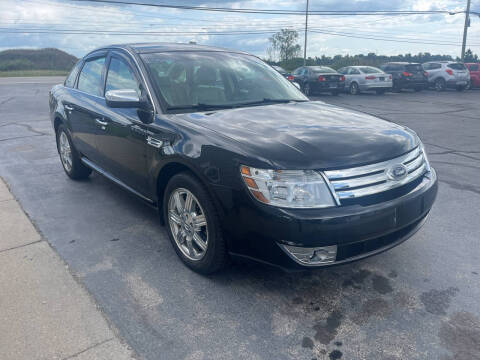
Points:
(89, 348)
(6, 100)
(21, 246)
(26, 126)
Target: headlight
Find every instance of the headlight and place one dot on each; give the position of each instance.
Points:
(288, 188)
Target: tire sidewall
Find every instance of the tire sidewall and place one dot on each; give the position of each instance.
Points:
(439, 84)
(353, 88)
(211, 262)
(63, 129)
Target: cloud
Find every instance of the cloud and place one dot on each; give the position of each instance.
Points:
(51, 15)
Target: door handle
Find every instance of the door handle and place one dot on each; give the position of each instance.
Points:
(101, 122)
(68, 107)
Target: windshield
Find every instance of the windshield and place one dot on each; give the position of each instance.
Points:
(370, 70)
(323, 70)
(193, 80)
(414, 67)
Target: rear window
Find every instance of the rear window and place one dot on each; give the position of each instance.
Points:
(370, 70)
(413, 67)
(456, 66)
(474, 67)
(322, 69)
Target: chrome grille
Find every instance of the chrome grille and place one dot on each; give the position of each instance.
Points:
(373, 179)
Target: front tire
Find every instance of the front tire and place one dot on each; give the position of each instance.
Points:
(193, 225)
(69, 156)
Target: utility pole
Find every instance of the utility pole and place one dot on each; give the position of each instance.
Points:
(465, 29)
(306, 27)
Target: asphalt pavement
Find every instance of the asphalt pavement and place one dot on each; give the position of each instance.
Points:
(416, 301)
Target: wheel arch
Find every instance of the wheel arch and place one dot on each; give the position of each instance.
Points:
(167, 172)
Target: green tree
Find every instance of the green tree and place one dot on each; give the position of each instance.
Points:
(470, 56)
(284, 44)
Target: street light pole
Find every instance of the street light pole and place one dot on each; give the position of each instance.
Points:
(306, 27)
(465, 29)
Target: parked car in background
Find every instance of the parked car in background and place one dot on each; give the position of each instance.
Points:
(406, 75)
(447, 74)
(365, 78)
(317, 79)
(474, 69)
(284, 72)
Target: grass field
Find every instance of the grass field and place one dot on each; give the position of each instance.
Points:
(33, 73)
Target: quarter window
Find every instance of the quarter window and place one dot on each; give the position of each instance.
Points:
(70, 81)
(90, 80)
(120, 76)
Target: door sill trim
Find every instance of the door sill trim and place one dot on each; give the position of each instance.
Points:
(98, 169)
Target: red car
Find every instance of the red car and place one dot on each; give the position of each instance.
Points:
(474, 69)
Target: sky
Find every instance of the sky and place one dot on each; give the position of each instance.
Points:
(43, 23)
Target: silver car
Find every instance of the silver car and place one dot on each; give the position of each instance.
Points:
(447, 74)
(365, 78)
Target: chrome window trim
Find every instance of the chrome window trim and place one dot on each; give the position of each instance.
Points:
(149, 93)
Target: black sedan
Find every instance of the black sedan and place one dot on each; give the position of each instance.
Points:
(238, 162)
(406, 75)
(317, 79)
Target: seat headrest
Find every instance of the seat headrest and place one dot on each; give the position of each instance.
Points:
(205, 75)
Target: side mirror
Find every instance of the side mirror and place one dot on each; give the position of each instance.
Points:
(124, 98)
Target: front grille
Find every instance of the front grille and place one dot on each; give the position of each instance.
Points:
(373, 179)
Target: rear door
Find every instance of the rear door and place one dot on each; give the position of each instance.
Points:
(474, 74)
(122, 139)
(84, 106)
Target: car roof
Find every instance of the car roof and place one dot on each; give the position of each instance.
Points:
(402, 63)
(144, 48)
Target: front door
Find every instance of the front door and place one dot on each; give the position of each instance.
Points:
(84, 106)
(122, 135)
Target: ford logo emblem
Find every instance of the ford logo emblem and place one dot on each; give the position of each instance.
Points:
(397, 172)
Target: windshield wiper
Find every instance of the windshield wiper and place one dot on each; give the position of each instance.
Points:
(200, 106)
(269, 101)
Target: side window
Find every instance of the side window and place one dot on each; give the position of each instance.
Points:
(342, 70)
(353, 71)
(70, 81)
(120, 76)
(435, 66)
(474, 67)
(90, 80)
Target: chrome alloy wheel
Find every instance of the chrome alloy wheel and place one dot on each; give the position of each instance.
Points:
(188, 224)
(65, 152)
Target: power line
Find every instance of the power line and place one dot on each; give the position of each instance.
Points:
(272, 11)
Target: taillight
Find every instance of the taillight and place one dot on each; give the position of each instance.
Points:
(290, 77)
(321, 78)
(390, 77)
(370, 77)
(449, 72)
(425, 73)
(407, 74)
(342, 78)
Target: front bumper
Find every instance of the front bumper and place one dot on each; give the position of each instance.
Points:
(261, 232)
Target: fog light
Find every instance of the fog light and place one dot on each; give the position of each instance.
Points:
(311, 255)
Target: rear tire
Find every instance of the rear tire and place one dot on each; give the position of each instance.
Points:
(396, 87)
(70, 157)
(461, 88)
(469, 85)
(306, 89)
(201, 247)
(380, 91)
(353, 89)
(440, 84)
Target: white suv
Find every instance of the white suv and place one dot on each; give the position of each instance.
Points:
(447, 74)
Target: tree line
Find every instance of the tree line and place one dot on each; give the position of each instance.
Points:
(285, 51)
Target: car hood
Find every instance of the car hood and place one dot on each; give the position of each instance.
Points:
(309, 135)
